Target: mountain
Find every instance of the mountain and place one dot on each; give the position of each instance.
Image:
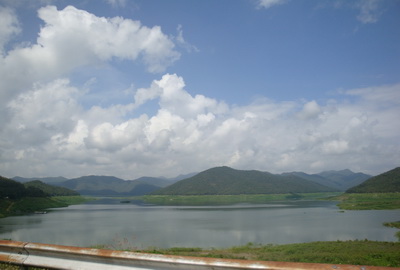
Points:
(228, 181)
(159, 182)
(50, 189)
(11, 189)
(340, 180)
(106, 185)
(48, 180)
(345, 179)
(112, 186)
(382, 183)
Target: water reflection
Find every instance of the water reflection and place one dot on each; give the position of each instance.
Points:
(129, 225)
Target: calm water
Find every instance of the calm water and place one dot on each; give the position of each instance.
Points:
(134, 226)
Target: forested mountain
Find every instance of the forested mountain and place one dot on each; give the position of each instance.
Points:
(113, 186)
(382, 183)
(340, 180)
(47, 180)
(50, 189)
(17, 198)
(228, 181)
(11, 189)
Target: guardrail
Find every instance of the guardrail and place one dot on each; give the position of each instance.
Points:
(76, 258)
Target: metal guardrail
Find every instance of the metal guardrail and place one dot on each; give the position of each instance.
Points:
(75, 258)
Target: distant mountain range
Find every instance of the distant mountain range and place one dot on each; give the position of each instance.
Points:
(340, 180)
(228, 181)
(219, 180)
(95, 185)
(48, 180)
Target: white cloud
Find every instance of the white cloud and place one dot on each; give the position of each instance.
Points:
(183, 43)
(335, 147)
(310, 110)
(191, 133)
(269, 3)
(117, 3)
(9, 26)
(369, 11)
(46, 131)
(73, 38)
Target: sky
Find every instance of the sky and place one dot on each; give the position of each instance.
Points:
(135, 88)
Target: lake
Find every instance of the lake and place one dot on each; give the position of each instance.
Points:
(126, 225)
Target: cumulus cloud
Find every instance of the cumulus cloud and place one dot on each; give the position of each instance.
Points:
(191, 133)
(73, 38)
(310, 110)
(46, 131)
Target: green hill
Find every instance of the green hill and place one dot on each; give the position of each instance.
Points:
(47, 180)
(51, 190)
(383, 183)
(18, 199)
(10, 189)
(228, 181)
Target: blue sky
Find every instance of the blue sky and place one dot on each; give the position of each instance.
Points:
(159, 88)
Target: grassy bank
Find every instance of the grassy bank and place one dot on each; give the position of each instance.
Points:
(368, 201)
(28, 205)
(229, 199)
(338, 252)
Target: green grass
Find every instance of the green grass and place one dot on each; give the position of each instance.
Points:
(338, 252)
(7, 266)
(229, 199)
(368, 201)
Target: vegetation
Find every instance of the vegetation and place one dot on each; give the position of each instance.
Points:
(337, 252)
(50, 190)
(28, 205)
(228, 181)
(385, 182)
(368, 201)
(6, 266)
(13, 190)
(229, 199)
(395, 224)
(18, 199)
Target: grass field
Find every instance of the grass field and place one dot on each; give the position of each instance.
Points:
(368, 201)
(230, 199)
(336, 252)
